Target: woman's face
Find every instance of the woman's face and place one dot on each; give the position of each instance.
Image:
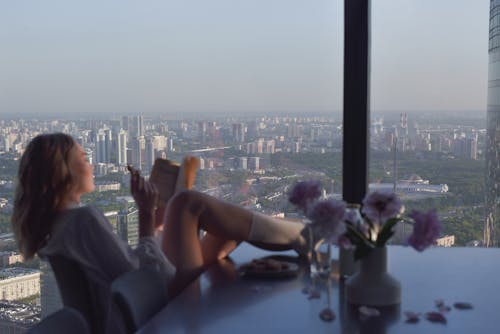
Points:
(81, 171)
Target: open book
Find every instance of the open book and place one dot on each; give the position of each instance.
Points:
(164, 176)
(170, 177)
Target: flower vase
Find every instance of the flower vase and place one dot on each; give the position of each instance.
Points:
(320, 253)
(373, 285)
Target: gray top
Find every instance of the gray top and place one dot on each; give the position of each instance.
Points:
(84, 235)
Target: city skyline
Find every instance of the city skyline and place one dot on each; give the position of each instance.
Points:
(236, 56)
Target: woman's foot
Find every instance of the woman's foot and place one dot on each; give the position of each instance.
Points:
(187, 174)
(279, 232)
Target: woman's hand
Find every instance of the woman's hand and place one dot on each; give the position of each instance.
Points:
(146, 197)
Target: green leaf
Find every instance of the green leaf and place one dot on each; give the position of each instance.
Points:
(386, 232)
(363, 245)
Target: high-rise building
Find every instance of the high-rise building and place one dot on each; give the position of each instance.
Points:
(202, 131)
(294, 130)
(127, 225)
(138, 126)
(100, 147)
(103, 146)
(121, 156)
(471, 148)
(239, 132)
(243, 163)
(254, 163)
(212, 132)
(270, 146)
(138, 147)
(252, 130)
(150, 155)
(493, 130)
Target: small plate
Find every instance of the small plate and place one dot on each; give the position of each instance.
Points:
(269, 268)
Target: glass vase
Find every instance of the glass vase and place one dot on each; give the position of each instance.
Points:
(320, 253)
(347, 265)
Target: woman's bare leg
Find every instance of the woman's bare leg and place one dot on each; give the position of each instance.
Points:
(186, 213)
(226, 226)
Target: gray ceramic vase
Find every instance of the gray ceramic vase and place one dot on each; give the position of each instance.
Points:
(373, 285)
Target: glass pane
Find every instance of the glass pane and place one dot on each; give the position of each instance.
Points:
(429, 88)
(253, 89)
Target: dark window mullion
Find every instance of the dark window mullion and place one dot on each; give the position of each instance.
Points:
(356, 100)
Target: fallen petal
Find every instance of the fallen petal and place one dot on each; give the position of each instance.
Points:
(369, 311)
(327, 314)
(435, 317)
(439, 303)
(412, 317)
(444, 308)
(463, 306)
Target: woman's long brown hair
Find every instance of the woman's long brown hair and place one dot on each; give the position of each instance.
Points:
(43, 179)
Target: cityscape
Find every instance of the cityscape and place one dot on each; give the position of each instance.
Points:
(253, 91)
(252, 162)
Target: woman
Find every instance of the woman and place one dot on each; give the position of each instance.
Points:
(48, 219)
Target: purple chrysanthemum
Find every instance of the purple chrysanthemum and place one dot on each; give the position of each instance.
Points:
(380, 206)
(305, 192)
(426, 229)
(326, 211)
(328, 215)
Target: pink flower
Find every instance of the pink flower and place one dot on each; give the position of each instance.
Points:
(328, 215)
(379, 206)
(426, 229)
(303, 193)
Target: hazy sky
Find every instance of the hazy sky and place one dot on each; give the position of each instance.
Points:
(235, 55)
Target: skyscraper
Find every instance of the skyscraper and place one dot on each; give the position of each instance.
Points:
(127, 225)
(138, 146)
(202, 131)
(101, 147)
(150, 155)
(122, 148)
(239, 132)
(493, 130)
(136, 127)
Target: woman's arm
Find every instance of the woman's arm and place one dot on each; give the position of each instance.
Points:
(146, 197)
(148, 251)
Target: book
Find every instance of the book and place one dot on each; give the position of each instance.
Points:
(164, 176)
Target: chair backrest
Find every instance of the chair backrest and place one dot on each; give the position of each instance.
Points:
(66, 320)
(78, 292)
(73, 285)
(139, 295)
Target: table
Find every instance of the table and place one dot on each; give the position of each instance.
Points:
(220, 301)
